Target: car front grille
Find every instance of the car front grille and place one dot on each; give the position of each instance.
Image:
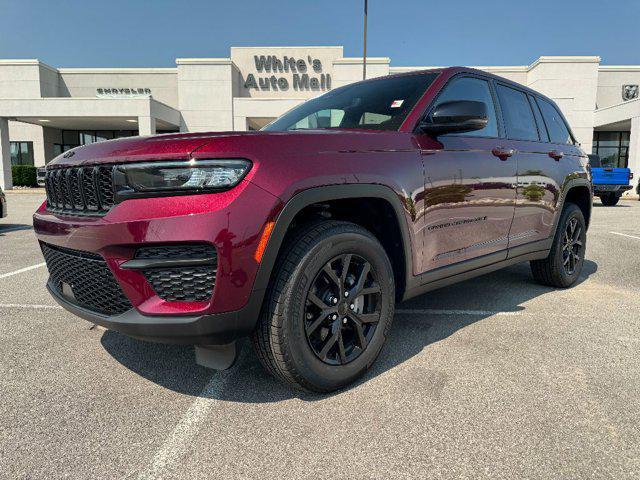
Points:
(88, 278)
(80, 190)
(189, 283)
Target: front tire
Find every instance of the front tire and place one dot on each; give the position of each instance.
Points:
(561, 269)
(609, 200)
(328, 309)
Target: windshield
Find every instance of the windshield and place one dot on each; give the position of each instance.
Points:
(378, 105)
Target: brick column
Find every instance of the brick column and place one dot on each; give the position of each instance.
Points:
(6, 181)
(146, 126)
(634, 153)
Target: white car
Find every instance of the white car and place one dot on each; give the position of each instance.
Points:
(40, 176)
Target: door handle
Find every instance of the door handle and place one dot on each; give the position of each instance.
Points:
(503, 153)
(556, 155)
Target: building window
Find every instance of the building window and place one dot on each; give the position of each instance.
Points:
(21, 153)
(75, 138)
(612, 148)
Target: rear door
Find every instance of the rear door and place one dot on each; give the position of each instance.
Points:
(563, 160)
(469, 185)
(537, 189)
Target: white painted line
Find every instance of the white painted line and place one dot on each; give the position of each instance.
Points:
(37, 307)
(187, 428)
(625, 235)
(456, 312)
(488, 313)
(22, 270)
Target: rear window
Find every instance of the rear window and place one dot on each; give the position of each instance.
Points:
(517, 114)
(381, 104)
(558, 130)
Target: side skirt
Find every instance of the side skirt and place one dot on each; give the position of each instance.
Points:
(476, 267)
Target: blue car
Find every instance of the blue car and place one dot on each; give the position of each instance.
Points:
(609, 183)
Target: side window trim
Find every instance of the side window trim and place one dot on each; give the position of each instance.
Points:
(489, 81)
(539, 118)
(543, 120)
(502, 130)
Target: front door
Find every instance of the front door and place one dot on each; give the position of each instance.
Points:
(470, 182)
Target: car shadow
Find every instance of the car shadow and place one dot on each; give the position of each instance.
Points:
(173, 367)
(617, 205)
(13, 227)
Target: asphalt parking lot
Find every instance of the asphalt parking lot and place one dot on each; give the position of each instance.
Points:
(495, 377)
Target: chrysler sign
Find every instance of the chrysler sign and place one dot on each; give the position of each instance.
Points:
(123, 92)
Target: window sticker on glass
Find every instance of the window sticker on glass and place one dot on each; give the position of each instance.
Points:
(397, 103)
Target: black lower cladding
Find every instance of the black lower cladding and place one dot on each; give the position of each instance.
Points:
(188, 283)
(84, 279)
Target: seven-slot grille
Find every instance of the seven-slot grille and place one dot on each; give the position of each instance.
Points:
(88, 278)
(80, 190)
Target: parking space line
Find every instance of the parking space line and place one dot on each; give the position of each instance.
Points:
(22, 270)
(429, 311)
(187, 428)
(625, 235)
(37, 307)
(519, 313)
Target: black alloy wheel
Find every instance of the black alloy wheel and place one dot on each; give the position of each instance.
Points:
(342, 309)
(571, 246)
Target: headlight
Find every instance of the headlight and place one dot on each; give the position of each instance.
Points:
(194, 176)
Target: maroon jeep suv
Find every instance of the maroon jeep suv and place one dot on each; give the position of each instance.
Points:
(305, 234)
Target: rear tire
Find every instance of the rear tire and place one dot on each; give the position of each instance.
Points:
(308, 337)
(610, 200)
(561, 269)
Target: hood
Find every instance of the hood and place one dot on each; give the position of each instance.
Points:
(134, 149)
(250, 144)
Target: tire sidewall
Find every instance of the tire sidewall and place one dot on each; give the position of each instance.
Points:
(320, 374)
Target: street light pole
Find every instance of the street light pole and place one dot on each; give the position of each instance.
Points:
(364, 55)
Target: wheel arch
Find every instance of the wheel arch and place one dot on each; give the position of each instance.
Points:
(579, 192)
(332, 193)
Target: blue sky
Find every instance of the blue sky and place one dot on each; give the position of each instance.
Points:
(115, 33)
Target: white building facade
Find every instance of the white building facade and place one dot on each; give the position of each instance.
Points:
(45, 111)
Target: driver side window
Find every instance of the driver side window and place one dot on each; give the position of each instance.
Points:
(476, 89)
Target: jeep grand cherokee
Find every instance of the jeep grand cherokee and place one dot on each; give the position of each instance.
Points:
(304, 235)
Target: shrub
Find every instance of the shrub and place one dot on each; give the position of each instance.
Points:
(24, 175)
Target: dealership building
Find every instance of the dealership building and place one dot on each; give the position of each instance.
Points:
(45, 110)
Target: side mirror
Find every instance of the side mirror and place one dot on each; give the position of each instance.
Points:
(456, 116)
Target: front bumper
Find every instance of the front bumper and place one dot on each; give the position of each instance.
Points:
(212, 329)
(230, 221)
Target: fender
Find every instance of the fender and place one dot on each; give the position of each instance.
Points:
(568, 185)
(324, 194)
